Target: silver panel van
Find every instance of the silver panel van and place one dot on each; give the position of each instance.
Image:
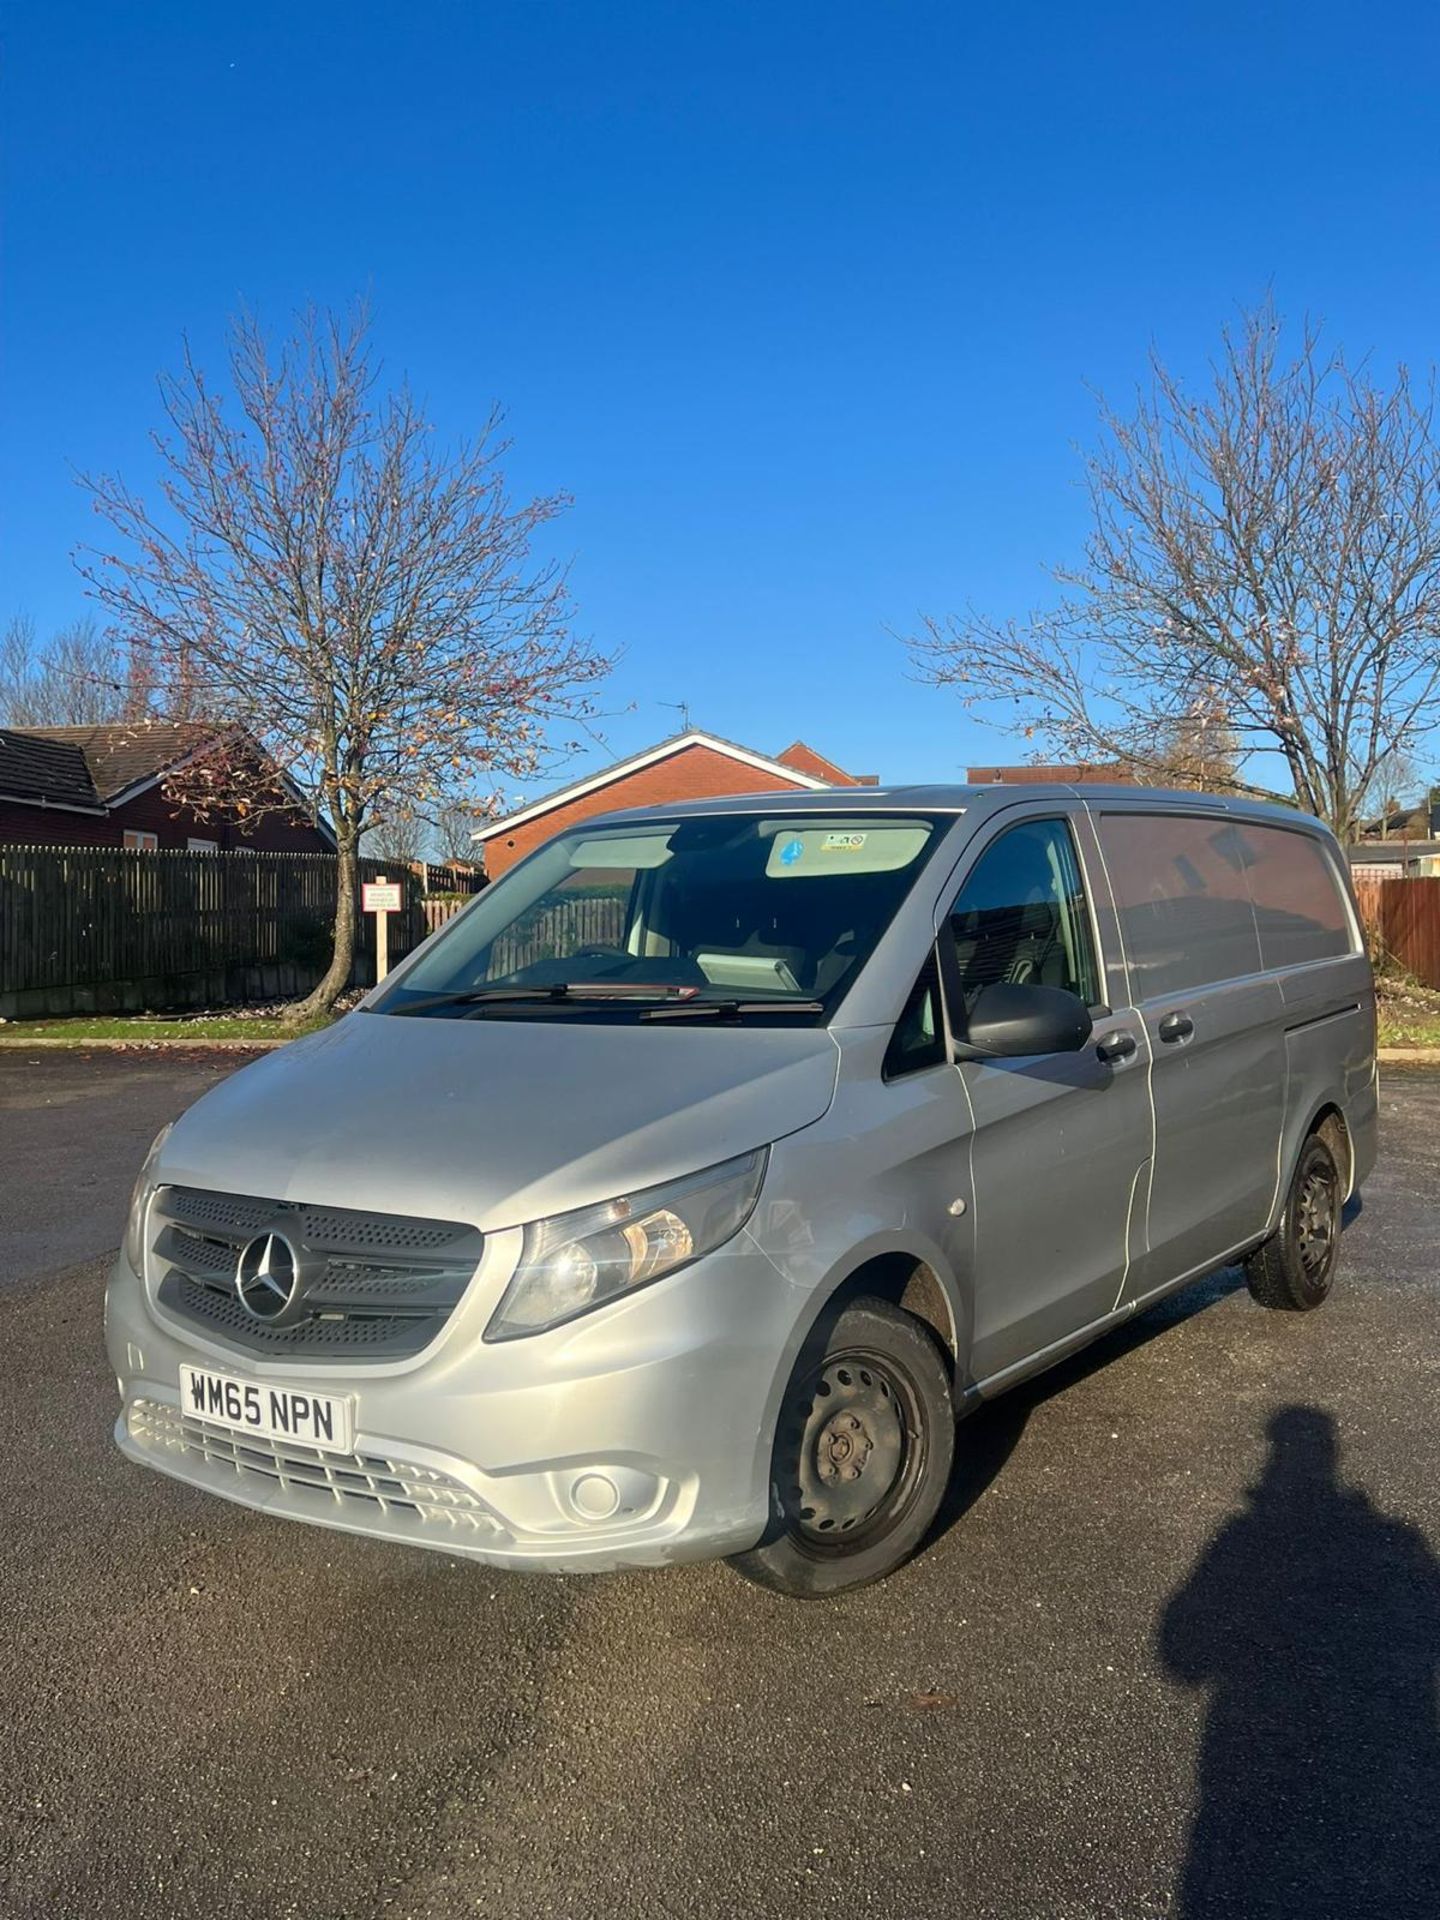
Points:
(676, 1198)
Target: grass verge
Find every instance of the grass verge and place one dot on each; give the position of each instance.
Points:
(1408, 1014)
(138, 1028)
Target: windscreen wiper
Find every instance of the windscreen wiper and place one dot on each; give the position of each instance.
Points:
(557, 991)
(476, 996)
(731, 1009)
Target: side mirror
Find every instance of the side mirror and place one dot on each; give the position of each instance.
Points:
(1009, 1021)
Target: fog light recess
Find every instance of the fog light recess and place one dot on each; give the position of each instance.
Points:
(594, 1496)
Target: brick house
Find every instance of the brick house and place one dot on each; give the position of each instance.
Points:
(689, 766)
(1420, 822)
(104, 787)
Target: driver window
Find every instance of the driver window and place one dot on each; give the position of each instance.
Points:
(1021, 917)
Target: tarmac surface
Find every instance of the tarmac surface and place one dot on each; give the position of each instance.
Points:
(1172, 1652)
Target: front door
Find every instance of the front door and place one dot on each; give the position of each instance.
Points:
(1061, 1142)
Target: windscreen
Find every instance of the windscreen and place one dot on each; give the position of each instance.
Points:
(757, 907)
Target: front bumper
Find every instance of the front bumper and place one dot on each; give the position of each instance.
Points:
(639, 1436)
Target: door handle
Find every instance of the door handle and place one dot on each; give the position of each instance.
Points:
(1176, 1026)
(1116, 1047)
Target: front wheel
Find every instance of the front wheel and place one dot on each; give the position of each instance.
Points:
(863, 1450)
(1295, 1268)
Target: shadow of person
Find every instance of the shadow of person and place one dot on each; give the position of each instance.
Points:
(1314, 1620)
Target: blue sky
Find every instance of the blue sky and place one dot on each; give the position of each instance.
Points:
(799, 301)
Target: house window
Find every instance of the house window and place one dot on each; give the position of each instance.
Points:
(202, 846)
(139, 842)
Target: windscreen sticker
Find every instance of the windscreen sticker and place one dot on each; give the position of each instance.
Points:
(809, 853)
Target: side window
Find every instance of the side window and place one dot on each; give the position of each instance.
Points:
(1300, 911)
(1020, 917)
(1183, 898)
(919, 1037)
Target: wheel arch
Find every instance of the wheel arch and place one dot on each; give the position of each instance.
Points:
(908, 1279)
(1328, 1120)
(1324, 1115)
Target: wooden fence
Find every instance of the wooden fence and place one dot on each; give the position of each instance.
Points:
(97, 929)
(583, 920)
(435, 912)
(1402, 922)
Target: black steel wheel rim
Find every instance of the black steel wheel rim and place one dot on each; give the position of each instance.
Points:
(1317, 1214)
(854, 1448)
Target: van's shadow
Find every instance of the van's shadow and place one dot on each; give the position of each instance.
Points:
(989, 1436)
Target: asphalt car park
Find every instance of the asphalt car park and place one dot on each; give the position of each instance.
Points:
(1171, 1651)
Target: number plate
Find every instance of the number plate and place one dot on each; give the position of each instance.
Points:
(320, 1420)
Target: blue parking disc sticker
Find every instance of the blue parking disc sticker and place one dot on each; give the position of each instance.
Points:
(792, 851)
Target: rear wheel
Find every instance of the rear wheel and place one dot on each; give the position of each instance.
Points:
(1295, 1268)
(863, 1449)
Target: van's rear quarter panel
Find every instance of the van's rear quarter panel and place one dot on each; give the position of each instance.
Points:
(1330, 1055)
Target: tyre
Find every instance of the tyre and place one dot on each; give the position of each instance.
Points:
(1294, 1269)
(863, 1449)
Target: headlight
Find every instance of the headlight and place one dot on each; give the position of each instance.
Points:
(576, 1261)
(139, 1204)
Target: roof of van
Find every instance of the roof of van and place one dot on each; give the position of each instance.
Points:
(961, 800)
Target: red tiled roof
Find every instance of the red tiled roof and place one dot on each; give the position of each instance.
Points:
(806, 760)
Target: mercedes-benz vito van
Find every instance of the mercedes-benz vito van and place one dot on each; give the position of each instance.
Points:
(675, 1199)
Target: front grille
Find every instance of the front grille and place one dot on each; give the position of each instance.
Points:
(375, 1286)
(378, 1335)
(361, 1482)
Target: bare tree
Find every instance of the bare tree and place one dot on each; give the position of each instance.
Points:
(402, 838)
(17, 671)
(1266, 554)
(1396, 788)
(455, 828)
(79, 678)
(406, 837)
(358, 599)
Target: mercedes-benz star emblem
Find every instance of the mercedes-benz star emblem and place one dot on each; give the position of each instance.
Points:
(267, 1280)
